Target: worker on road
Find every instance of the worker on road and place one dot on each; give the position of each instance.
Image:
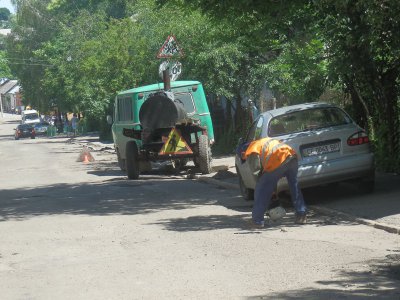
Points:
(275, 160)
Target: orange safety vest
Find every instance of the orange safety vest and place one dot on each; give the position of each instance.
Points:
(272, 153)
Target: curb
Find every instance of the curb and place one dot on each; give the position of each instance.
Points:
(377, 225)
(323, 210)
(226, 185)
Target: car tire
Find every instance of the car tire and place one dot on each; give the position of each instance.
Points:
(121, 162)
(204, 157)
(247, 194)
(132, 162)
(33, 137)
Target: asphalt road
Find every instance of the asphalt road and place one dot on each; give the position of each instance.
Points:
(70, 230)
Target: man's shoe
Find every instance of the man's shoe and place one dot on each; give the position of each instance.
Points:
(301, 219)
(254, 225)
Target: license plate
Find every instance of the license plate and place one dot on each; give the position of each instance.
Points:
(322, 149)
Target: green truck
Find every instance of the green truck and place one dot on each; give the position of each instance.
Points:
(153, 124)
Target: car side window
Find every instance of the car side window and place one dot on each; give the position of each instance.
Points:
(255, 130)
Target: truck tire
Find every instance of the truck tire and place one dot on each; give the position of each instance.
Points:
(204, 157)
(132, 163)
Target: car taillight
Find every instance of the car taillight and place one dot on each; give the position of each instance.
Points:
(358, 138)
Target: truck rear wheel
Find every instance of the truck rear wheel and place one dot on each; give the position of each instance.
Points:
(132, 162)
(204, 157)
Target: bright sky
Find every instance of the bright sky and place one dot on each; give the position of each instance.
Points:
(7, 3)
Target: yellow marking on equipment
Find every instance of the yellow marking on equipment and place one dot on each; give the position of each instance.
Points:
(175, 144)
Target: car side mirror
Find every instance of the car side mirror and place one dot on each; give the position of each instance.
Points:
(109, 120)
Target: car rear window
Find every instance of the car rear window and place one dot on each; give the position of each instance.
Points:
(310, 119)
(25, 126)
(31, 117)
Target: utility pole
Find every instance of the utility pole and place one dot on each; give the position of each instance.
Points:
(1, 105)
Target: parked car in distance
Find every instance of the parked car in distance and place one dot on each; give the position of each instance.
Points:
(41, 128)
(330, 146)
(24, 130)
(30, 116)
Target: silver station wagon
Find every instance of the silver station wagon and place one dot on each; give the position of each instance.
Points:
(330, 146)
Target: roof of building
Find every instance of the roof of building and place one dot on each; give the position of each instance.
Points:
(14, 90)
(7, 86)
(5, 31)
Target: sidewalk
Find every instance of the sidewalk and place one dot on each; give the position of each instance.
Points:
(9, 117)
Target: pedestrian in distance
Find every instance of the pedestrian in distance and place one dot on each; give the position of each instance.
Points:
(66, 125)
(275, 160)
(74, 124)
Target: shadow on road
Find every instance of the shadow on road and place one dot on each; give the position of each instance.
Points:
(147, 195)
(106, 198)
(383, 202)
(381, 280)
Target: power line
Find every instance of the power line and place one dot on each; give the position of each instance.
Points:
(25, 59)
(26, 64)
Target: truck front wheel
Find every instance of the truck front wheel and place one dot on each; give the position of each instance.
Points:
(204, 158)
(132, 162)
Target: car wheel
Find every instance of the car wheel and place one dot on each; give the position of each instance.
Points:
(33, 137)
(121, 162)
(204, 157)
(248, 194)
(132, 162)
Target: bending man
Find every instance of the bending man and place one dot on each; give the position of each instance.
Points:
(277, 160)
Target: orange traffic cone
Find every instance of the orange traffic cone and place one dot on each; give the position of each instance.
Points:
(85, 158)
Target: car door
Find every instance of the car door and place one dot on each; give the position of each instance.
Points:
(246, 172)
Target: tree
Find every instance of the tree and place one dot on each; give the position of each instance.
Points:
(363, 48)
(5, 71)
(353, 45)
(4, 14)
(30, 29)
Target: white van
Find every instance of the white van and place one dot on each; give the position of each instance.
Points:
(30, 116)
